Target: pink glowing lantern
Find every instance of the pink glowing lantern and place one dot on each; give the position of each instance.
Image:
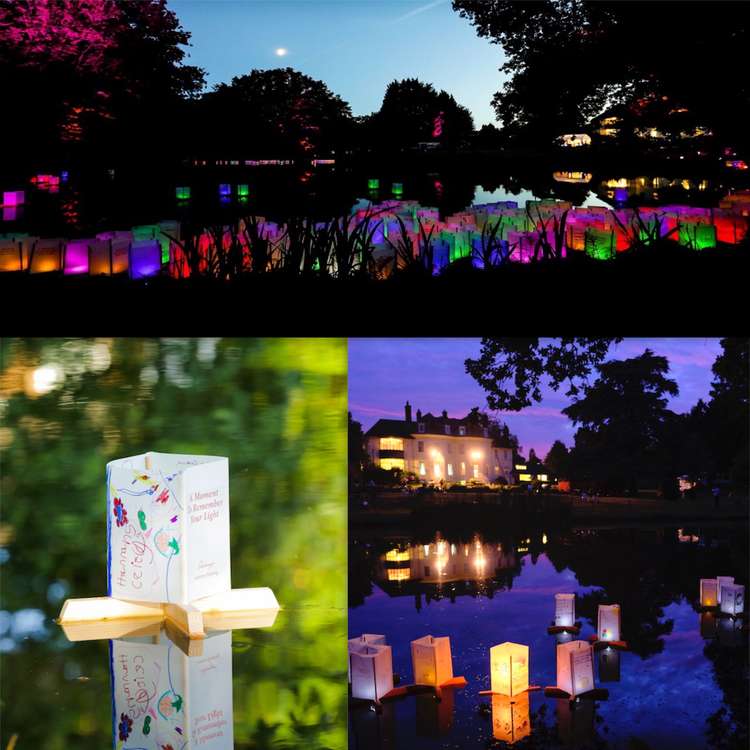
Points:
(76, 257)
(575, 667)
(14, 198)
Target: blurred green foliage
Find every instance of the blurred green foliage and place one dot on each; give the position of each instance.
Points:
(277, 409)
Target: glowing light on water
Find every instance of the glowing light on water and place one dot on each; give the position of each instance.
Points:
(45, 379)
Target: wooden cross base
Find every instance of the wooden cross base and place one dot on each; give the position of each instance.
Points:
(574, 629)
(597, 644)
(597, 694)
(529, 689)
(402, 690)
(223, 611)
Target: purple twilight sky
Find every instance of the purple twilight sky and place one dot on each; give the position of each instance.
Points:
(430, 373)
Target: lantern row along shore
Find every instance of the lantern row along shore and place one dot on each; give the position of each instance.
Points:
(488, 234)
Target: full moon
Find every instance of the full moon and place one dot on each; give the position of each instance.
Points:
(281, 51)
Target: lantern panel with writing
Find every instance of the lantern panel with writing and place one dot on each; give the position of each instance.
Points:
(168, 527)
(721, 581)
(509, 668)
(575, 667)
(565, 610)
(372, 672)
(608, 622)
(431, 660)
(732, 599)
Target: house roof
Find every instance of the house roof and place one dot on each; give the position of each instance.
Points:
(392, 428)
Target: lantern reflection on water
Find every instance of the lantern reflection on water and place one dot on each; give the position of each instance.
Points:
(708, 624)
(575, 722)
(575, 667)
(431, 660)
(609, 665)
(608, 622)
(509, 668)
(565, 610)
(372, 672)
(434, 715)
(510, 718)
(709, 592)
(373, 730)
(730, 631)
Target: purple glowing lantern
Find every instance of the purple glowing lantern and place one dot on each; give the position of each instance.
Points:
(145, 258)
(13, 198)
(76, 257)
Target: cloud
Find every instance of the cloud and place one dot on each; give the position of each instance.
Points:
(420, 9)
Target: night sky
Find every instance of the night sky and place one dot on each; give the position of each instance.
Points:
(356, 47)
(430, 373)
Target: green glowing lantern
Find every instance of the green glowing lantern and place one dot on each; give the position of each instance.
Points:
(243, 191)
(397, 188)
(145, 232)
(373, 183)
(600, 243)
(698, 236)
(182, 193)
(460, 245)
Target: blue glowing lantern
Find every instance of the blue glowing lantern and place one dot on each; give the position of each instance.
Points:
(225, 189)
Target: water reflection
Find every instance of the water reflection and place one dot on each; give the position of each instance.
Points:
(510, 718)
(685, 686)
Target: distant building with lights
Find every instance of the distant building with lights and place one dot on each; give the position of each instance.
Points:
(438, 448)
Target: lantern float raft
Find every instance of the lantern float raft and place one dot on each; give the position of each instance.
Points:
(162, 509)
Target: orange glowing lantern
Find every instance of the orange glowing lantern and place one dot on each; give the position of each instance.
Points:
(11, 256)
(372, 672)
(608, 622)
(509, 668)
(575, 667)
(46, 256)
(510, 718)
(431, 660)
(709, 588)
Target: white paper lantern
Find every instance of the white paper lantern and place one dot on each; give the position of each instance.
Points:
(565, 610)
(431, 660)
(575, 667)
(168, 527)
(372, 672)
(510, 718)
(732, 599)
(608, 622)
(162, 697)
(357, 644)
(721, 581)
(709, 592)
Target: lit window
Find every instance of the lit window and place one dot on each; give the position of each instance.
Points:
(476, 471)
(463, 468)
(437, 471)
(398, 574)
(397, 555)
(542, 477)
(450, 470)
(420, 446)
(392, 463)
(420, 426)
(524, 477)
(521, 467)
(422, 470)
(391, 444)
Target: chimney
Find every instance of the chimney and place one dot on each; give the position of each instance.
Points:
(407, 411)
(445, 414)
(419, 415)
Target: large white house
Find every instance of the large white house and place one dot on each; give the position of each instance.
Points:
(438, 448)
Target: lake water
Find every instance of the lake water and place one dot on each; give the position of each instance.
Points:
(681, 684)
(276, 408)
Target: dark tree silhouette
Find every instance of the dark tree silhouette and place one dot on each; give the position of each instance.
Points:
(568, 61)
(558, 460)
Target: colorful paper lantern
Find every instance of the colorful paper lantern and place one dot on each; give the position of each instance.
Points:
(609, 665)
(145, 232)
(14, 198)
(732, 599)
(243, 190)
(397, 188)
(600, 243)
(373, 183)
(510, 718)
(190, 703)
(76, 257)
(364, 640)
(575, 667)
(120, 254)
(100, 258)
(509, 668)
(565, 610)
(182, 193)
(431, 660)
(145, 259)
(225, 189)
(46, 256)
(721, 581)
(608, 622)
(168, 527)
(372, 672)
(709, 592)
(11, 256)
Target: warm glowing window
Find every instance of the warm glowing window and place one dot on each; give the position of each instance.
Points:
(437, 470)
(450, 470)
(392, 463)
(463, 468)
(542, 477)
(524, 477)
(397, 555)
(475, 470)
(391, 444)
(398, 574)
(521, 467)
(422, 470)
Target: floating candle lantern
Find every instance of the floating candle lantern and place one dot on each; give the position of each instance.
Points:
(243, 190)
(145, 258)
(182, 193)
(373, 183)
(575, 667)
(11, 256)
(510, 718)
(161, 697)
(565, 610)
(732, 599)
(76, 257)
(14, 198)
(46, 256)
(509, 668)
(608, 622)
(364, 640)
(225, 189)
(709, 591)
(372, 672)
(609, 665)
(397, 188)
(431, 660)
(721, 581)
